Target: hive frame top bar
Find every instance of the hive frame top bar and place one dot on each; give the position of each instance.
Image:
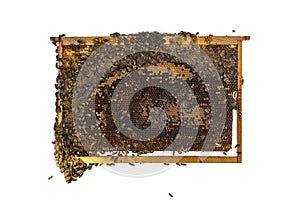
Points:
(200, 40)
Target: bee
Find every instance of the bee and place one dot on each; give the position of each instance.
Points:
(61, 35)
(166, 164)
(236, 145)
(239, 152)
(183, 164)
(200, 161)
(233, 31)
(224, 153)
(54, 42)
(184, 34)
(79, 41)
(179, 164)
(210, 35)
(131, 164)
(116, 34)
(193, 36)
(170, 195)
(49, 178)
(197, 33)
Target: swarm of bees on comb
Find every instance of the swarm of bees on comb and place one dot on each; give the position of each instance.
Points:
(70, 59)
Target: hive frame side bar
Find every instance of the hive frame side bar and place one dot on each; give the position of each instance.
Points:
(239, 108)
(60, 53)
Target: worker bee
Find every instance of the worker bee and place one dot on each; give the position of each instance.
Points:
(60, 36)
(116, 34)
(237, 145)
(54, 42)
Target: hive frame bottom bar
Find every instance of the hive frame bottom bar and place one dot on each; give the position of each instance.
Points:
(159, 159)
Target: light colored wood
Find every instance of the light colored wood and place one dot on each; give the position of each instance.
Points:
(220, 40)
(54, 39)
(200, 40)
(60, 51)
(66, 40)
(239, 110)
(159, 159)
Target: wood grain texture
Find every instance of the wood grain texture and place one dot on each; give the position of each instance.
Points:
(60, 51)
(239, 110)
(199, 40)
(160, 159)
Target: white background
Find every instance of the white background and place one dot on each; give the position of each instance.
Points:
(270, 171)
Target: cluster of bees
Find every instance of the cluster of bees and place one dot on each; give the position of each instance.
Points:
(70, 59)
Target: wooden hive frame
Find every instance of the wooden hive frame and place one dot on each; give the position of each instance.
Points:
(200, 40)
